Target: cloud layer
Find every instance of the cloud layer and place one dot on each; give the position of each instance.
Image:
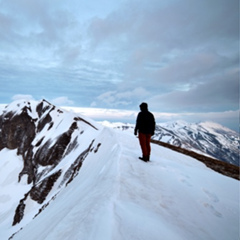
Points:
(179, 56)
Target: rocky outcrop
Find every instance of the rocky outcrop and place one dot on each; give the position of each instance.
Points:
(17, 130)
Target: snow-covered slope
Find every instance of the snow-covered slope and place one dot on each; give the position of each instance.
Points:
(111, 194)
(208, 138)
(42, 150)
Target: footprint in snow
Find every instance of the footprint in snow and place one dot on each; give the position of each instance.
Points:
(186, 182)
(212, 196)
(185, 179)
(212, 209)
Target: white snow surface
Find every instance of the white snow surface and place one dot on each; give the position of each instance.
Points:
(116, 196)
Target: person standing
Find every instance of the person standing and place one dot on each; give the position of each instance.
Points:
(145, 127)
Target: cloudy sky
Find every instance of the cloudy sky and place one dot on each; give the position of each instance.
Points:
(179, 56)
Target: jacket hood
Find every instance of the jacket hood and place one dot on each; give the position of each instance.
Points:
(143, 106)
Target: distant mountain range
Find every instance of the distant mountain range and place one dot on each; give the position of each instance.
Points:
(206, 138)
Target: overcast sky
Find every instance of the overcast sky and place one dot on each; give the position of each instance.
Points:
(179, 56)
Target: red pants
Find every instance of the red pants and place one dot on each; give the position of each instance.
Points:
(144, 140)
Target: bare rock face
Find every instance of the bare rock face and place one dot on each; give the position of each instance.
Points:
(44, 136)
(17, 131)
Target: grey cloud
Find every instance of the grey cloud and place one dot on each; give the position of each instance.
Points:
(220, 94)
(187, 40)
(38, 30)
(6, 24)
(192, 45)
(194, 68)
(177, 25)
(122, 98)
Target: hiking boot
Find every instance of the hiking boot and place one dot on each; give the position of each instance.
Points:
(143, 159)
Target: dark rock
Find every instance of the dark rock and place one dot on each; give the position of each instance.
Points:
(17, 131)
(40, 191)
(19, 213)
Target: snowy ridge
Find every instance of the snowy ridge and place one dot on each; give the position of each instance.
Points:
(104, 192)
(207, 138)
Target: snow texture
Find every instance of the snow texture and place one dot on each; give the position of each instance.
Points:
(115, 196)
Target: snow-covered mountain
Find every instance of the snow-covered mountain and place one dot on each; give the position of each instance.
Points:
(206, 138)
(64, 176)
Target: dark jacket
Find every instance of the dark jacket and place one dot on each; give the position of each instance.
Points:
(145, 122)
